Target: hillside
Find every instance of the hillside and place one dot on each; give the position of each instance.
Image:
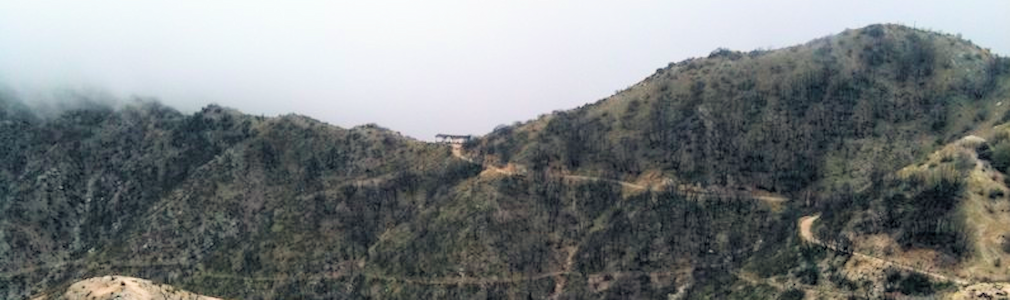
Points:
(945, 212)
(687, 185)
(821, 115)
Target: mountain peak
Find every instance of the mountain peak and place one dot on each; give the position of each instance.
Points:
(711, 115)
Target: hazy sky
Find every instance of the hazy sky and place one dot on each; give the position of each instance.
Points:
(418, 67)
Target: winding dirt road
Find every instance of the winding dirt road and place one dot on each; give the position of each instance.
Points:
(457, 151)
(814, 290)
(807, 234)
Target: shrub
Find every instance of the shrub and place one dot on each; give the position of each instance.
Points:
(875, 30)
(995, 193)
(917, 60)
(926, 217)
(809, 275)
(963, 162)
(812, 254)
(842, 282)
(1000, 135)
(792, 294)
(981, 115)
(779, 263)
(984, 152)
(913, 284)
(724, 52)
(1001, 156)
(1006, 117)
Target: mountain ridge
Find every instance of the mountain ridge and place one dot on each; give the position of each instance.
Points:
(202, 201)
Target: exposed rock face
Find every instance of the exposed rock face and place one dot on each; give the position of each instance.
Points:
(118, 287)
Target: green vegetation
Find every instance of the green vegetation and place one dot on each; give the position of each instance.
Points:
(809, 275)
(792, 294)
(913, 284)
(919, 211)
(779, 263)
(238, 206)
(771, 120)
(999, 154)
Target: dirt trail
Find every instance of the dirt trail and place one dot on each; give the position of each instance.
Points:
(467, 280)
(411, 280)
(457, 151)
(82, 262)
(37, 268)
(700, 192)
(622, 183)
(450, 281)
(756, 280)
(127, 285)
(562, 281)
(806, 233)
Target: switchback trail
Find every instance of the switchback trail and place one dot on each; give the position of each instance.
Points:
(806, 233)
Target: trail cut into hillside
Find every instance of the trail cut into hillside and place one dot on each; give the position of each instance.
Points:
(662, 184)
(806, 223)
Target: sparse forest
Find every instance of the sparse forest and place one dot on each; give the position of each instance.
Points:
(688, 185)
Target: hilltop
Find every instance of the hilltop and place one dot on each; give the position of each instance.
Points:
(689, 184)
(813, 116)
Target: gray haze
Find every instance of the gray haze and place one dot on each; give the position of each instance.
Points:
(418, 67)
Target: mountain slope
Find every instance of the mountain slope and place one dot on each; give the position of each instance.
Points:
(821, 114)
(688, 184)
(947, 212)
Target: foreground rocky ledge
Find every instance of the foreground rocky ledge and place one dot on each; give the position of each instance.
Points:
(119, 287)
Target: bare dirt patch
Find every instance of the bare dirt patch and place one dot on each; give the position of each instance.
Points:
(118, 287)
